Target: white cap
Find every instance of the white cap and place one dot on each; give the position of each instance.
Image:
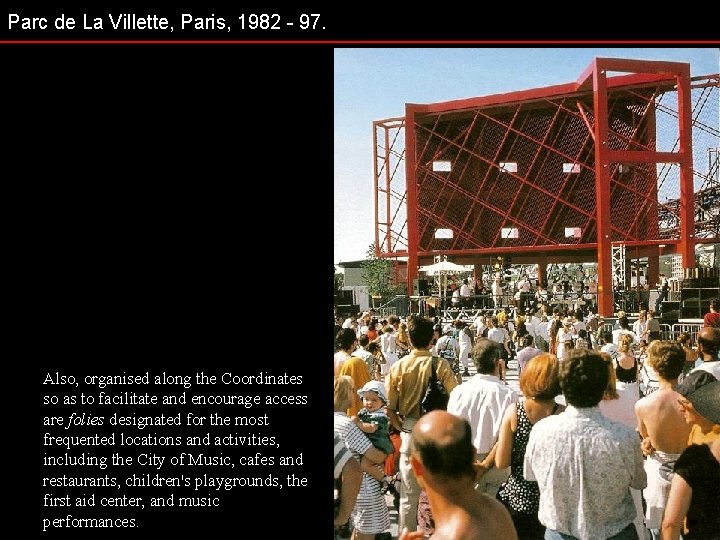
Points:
(373, 386)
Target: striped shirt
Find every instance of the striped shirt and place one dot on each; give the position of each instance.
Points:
(370, 513)
(342, 455)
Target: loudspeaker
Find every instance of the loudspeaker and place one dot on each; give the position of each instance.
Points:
(420, 287)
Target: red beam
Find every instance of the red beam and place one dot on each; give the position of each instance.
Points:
(585, 119)
(376, 181)
(602, 196)
(641, 66)
(510, 249)
(584, 81)
(410, 178)
(388, 178)
(558, 90)
(687, 195)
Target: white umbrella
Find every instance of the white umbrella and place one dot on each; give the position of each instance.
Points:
(443, 268)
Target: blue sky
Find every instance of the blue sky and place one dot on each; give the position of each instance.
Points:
(375, 83)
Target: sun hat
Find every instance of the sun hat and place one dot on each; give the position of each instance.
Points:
(373, 386)
(702, 389)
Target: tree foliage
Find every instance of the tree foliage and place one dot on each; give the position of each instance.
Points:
(377, 274)
(338, 281)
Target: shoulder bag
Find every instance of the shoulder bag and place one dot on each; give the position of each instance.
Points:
(436, 397)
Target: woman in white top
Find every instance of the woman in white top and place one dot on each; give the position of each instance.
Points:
(624, 329)
(640, 326)
(565, 334)
(388, 348)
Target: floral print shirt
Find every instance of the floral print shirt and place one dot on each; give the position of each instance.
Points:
(584, 464)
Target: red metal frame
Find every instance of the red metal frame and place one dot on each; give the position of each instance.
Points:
(604, 157)
(598, 122)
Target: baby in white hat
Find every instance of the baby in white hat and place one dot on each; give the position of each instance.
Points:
(373, 421)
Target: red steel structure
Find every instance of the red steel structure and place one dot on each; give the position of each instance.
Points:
(608, 158)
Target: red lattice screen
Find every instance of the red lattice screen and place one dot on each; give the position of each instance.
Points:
(516, 173)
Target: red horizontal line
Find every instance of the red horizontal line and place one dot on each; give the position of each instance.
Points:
(350, 42)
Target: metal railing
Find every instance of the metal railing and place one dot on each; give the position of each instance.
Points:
(398, 305)
(680, 328)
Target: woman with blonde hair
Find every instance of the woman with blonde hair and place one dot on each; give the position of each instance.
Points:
(540, 384)
(626, 368)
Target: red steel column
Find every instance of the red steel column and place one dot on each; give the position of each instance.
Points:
(602, 192)
(686, 248)
(388, 192)
(653, 268)
(376, 182)
(542, 269)
(412, 213)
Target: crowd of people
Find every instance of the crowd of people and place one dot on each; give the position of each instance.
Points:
(585, 450)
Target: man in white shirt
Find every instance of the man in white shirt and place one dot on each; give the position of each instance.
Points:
(542, 295)
(482, 401)
(479, 324)
(455, 298)
(585, 463)
(465, 293)
(542, 339)
(497, 292)
(523, 286)
(708, 346)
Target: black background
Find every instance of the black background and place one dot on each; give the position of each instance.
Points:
(167, 217)
(170, 210)
(414, 23)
